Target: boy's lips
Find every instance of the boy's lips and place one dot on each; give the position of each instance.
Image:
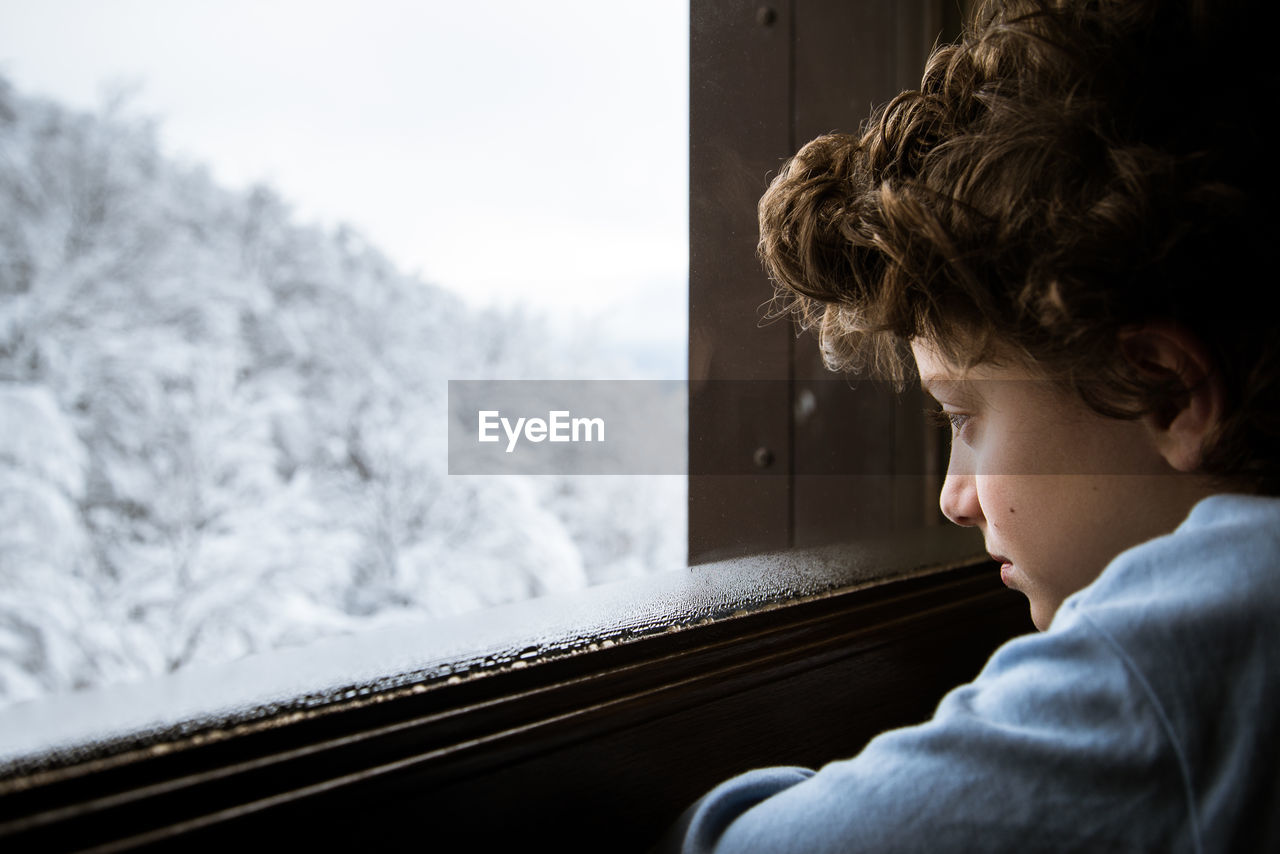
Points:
(1006, 567)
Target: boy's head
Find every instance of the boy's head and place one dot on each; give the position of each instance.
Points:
(1080, 194)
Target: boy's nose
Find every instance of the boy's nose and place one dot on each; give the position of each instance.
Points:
(959, 498)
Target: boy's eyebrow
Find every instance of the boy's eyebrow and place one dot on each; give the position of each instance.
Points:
(939, 385)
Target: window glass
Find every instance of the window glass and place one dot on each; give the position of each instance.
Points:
(245, 246)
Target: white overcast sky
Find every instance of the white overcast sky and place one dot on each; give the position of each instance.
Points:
(502, 148)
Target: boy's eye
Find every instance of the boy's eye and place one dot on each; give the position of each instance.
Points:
(955, 420)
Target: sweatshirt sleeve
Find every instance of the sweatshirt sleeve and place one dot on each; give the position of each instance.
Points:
(1058, 745)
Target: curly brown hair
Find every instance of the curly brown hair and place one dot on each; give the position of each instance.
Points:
(1067, 171)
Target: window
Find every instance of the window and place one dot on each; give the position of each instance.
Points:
(230, 329)
(592, 733)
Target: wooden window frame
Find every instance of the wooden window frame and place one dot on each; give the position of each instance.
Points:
(794, 456)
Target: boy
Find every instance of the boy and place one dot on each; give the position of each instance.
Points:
(1058, 234)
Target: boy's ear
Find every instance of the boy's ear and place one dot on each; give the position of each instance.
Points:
(1167, 351)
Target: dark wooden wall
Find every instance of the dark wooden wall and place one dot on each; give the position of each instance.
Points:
(785, 453)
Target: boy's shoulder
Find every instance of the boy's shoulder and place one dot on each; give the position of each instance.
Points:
(1221, 563)
(1191, 618)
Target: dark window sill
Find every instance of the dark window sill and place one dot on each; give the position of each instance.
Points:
(590, 720)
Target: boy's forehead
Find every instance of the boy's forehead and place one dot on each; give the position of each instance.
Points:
(941, 377)
(933, 367)
(938, 376)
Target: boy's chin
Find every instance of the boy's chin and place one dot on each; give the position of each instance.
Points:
(1042, 613)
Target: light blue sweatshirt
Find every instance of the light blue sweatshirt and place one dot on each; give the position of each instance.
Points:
(1144, 719)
